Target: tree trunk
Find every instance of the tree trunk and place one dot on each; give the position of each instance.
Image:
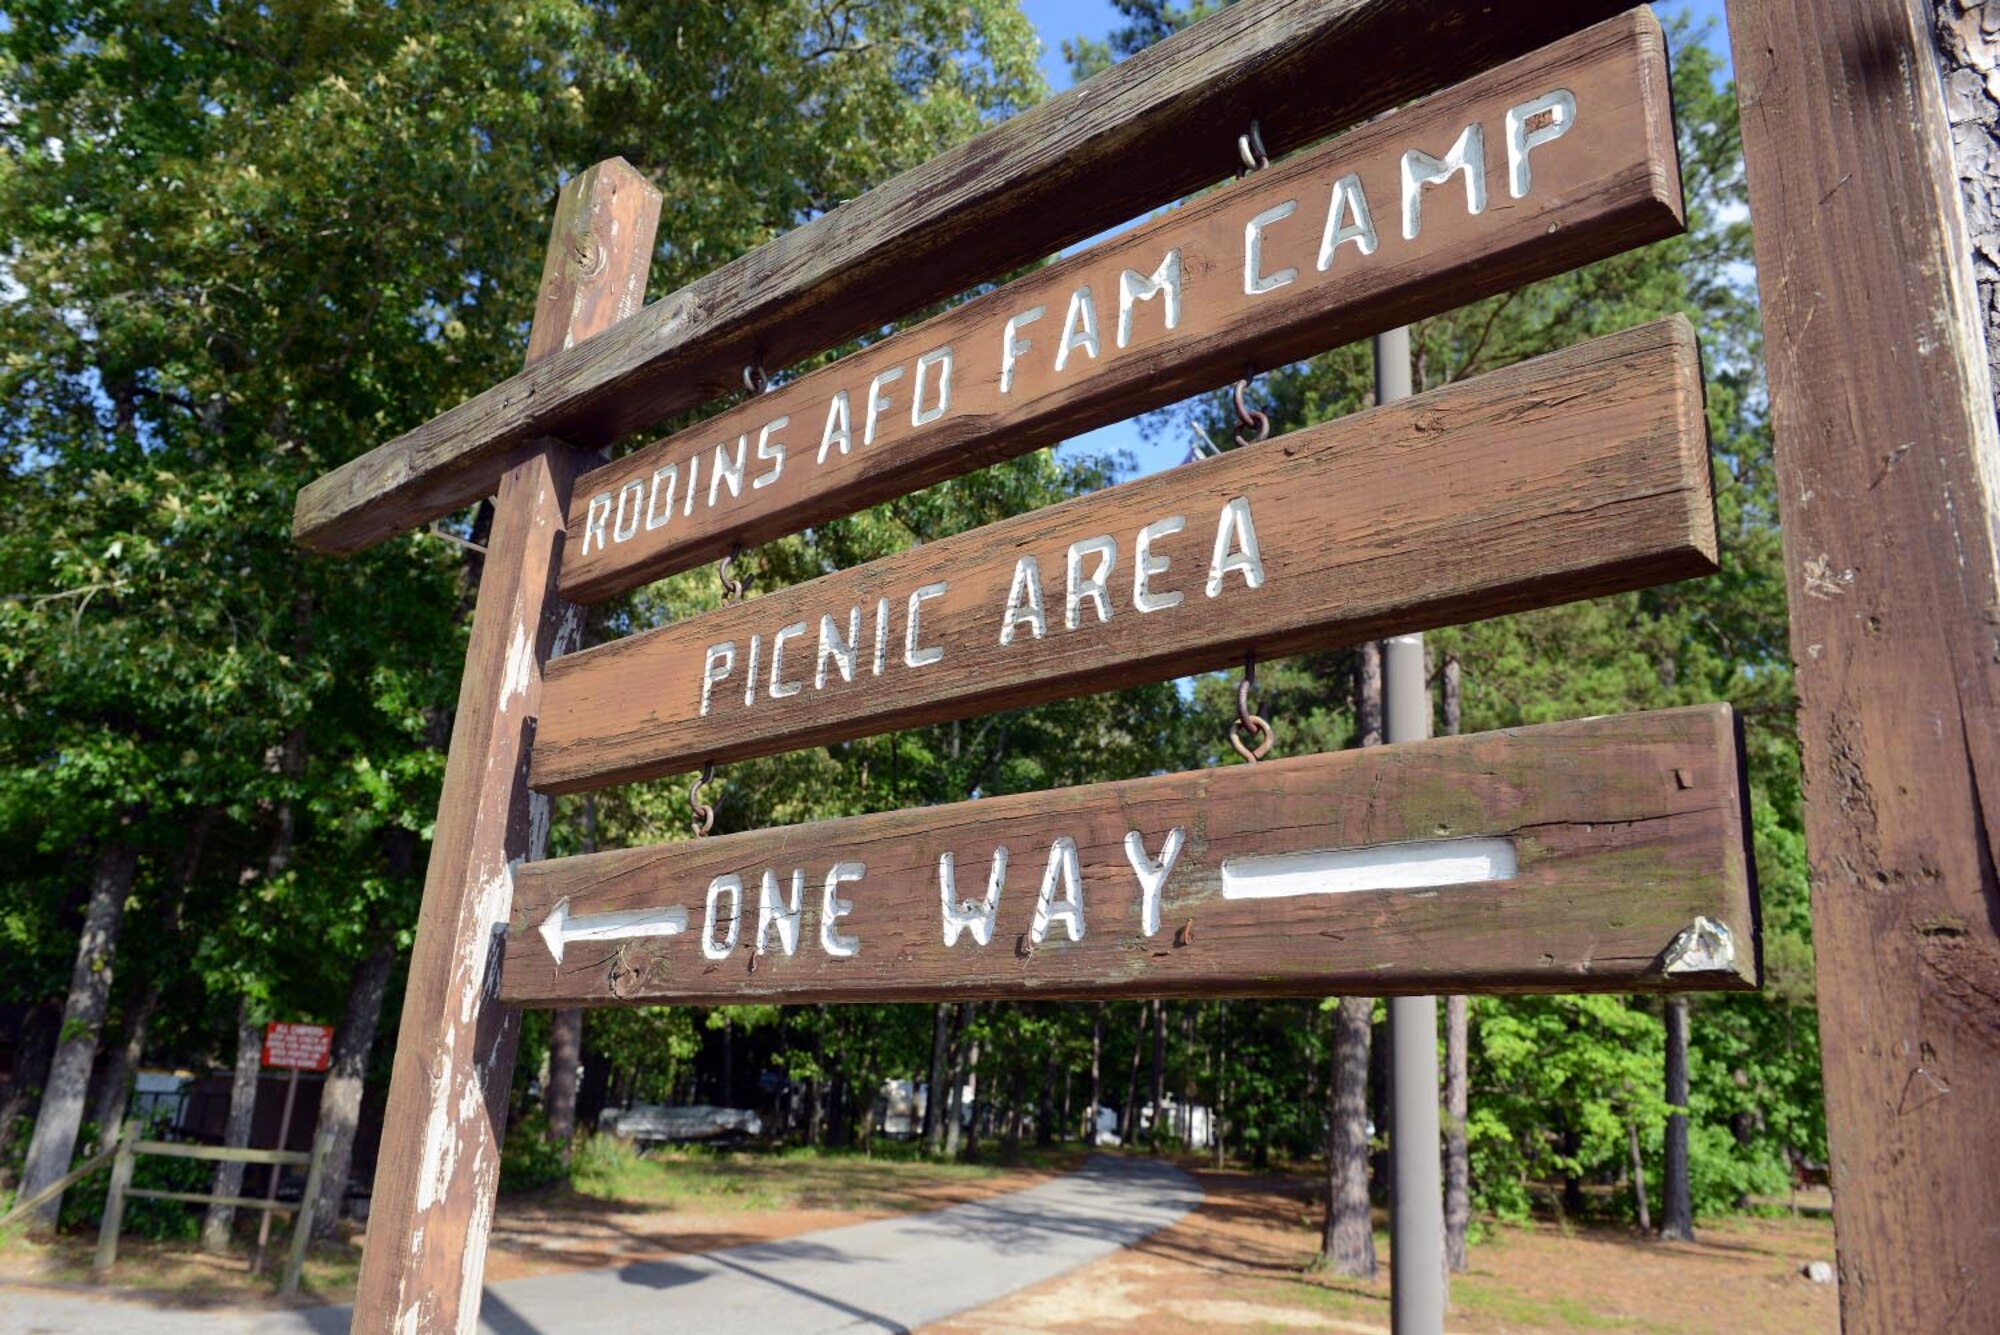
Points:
(972, 1098)
(1457, 1034)
(961, 1042)
(934, 1088)
(566, 1036)
(1368, 694)
(1348, 1247)
(61, 1114)
(1217, 1118)
(1677, 1220)
(1457, 1107)
(1639, 1179)
(114, 1093)
(1129, 1115)
(1096, 1075)
(1159, 1073)
(346, 1079)
(215, 1225)
(1045, 1106)
(37, 1049)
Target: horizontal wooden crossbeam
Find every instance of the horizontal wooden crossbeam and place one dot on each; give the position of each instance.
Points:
(1150, 130)
(1573, 475)
(1602, 855)
(1570, 153)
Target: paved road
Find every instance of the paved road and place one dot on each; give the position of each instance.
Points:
(888, 1275)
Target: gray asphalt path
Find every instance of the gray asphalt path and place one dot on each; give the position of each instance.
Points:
(888, 1275)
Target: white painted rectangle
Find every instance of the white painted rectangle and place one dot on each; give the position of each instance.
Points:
(1337, 871)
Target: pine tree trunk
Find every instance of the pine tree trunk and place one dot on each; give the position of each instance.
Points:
(218, 1221)
(1096, 1074)
(1045, 1105)
(1159, 1073)
(935, 1096)
(566, 1036)
(1348, 1247)
(1457, 1086)
(1129, 1115)
(961, 1043)
(1217, 1120)
(1677, 1217)
(61, 1115)
(565, 1059)
(972, 1098)
(1457, 1161)
(31, 1073)
(114, 1094)
(1639, 1180)
(346, 1079)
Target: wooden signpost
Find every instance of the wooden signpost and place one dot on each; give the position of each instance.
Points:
(1597, 854)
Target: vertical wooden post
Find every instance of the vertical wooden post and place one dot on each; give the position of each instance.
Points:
(114, 1211)
(440, 1158)
(1888, 467)
(302, 1219)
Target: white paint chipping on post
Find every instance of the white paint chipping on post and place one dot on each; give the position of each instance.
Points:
(1432, 864)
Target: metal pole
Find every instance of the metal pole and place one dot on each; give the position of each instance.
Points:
(271, 1189)
(1416, 1200)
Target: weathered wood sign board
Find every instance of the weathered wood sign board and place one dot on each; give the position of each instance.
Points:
(1577, 474)
(1600, 855)
(1150, 130)
(1546, 163)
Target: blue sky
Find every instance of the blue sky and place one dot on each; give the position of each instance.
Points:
(1056, 19)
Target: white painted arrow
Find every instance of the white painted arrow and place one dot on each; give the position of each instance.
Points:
(559, 928)
(1424, 865)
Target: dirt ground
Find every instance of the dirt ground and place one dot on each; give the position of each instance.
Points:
(1238, 1264)
(665, 1207)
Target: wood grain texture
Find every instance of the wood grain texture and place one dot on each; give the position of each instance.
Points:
(1624, 830)
(1150, 130)
(1889, 475)
(439, 1165)
(1573, 475)
(959, 396)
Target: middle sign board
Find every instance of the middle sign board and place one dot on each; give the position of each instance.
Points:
(1581, 473)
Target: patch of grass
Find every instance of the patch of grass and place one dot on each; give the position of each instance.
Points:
(731, 1180)
(1486, 1298)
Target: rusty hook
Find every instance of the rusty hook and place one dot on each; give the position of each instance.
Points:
(704, 814)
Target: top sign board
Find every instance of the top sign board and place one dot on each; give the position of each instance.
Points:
(291, 1045)
(1543, 164)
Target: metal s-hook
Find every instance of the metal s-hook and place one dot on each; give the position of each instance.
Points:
(1250, 148)
(1257, 421)
(1246, 724)
(704, 813)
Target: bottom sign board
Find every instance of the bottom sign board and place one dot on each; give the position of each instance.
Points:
(1606, 854)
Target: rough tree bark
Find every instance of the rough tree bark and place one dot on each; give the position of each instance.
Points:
(1096, 1074)
(61, 1115)
(1457, 1033)
(1639, 1179)
(934, 1092)
(219, 1219)
(1457, 1160)
(114, 1093)
(1677, 1210)
(1128, 1121)
(954, 1129)
(346, 1079)
(1348, 1246)
(1159, 1074)
(566, 1033)
(37, 1049)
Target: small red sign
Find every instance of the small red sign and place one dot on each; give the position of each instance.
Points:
(298, 1047)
